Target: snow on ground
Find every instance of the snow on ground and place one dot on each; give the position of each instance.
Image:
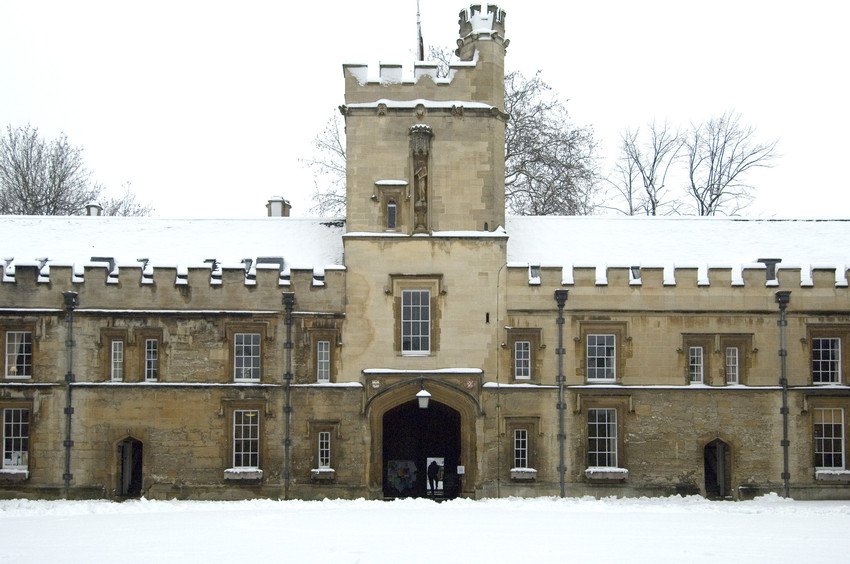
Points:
(676, 529)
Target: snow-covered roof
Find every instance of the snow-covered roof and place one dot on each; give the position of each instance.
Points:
(680, 241)
(302, 243)
(317, 243)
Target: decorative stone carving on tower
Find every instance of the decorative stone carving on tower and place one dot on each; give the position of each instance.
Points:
(420, 148)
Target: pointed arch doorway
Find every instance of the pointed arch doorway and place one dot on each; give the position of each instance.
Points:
(717, 469)
(130, 468)
(401, 431)
(421, 451)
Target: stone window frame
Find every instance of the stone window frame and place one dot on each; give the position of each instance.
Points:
(842, 421)
(705, 341)
(532, 427)
(622, 405)
(117, 359)
(839, 332)
(731, 364)
(231, 330)
(391, 215)
(19, 327)
(315, 428)
(229, 408)
(17, 472)
(396, 193)
(142, 336)
(743, 342)
(520, 448)
(714, 347)
(622, 348)
(617, 437)
(430, 282)
(108, 335)
(534, 336)
(811, 405)
(315, 335)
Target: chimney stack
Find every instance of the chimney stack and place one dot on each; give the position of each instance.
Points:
(278, 207)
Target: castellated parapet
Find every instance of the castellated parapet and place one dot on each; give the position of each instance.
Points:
(636, 288)
(140, 288)
(477, 77)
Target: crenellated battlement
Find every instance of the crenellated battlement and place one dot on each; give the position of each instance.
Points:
(477, 77)
(476, 20)
(33, 285)
(753, 275)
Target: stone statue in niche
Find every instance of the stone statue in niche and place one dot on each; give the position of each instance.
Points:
(420, 203)
(420, 147)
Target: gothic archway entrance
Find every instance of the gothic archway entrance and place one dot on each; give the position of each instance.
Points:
(717, 462)
(415, 439)
(130, 468)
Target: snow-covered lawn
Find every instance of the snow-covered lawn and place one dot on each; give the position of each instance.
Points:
(769, 529)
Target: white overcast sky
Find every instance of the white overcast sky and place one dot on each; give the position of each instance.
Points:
(205, 107)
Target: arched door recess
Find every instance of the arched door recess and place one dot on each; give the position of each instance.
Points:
(452, 425)
(415, 438)
(130, 468)
(717, 457)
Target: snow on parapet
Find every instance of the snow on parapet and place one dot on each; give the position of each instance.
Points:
(399, 73)
(482, 22)
(804, 276)
(712, 251)
(183, 252)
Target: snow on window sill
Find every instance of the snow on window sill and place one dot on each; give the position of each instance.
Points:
(14, 474)
(523, 473)
(243, 474)
(832, 475)
(323, 474)
(606, 473)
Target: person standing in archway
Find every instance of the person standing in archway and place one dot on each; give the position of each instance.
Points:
(433, 472)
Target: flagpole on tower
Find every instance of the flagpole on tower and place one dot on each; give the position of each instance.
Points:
(420, 46)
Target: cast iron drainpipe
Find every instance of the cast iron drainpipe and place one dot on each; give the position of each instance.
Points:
(288, 304)
(561, 299)
(70, 304)
(782, 298)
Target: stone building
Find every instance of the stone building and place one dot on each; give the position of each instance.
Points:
(284, 357)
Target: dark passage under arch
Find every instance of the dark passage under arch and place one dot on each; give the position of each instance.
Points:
(412, 436)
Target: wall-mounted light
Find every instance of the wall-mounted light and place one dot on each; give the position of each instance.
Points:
(422, 396)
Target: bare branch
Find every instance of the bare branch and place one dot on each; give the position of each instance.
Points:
(48, 177)
(720, 153)
(644, 163)
(328, 166)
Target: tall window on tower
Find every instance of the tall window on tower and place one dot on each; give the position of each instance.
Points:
(415, 322)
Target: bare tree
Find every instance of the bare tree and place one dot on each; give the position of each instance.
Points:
(549, 162)
(643, 167)
(42, 177)
(48, 177)
(328, 166)
(126, 205)
(720, 153)
(624, 182)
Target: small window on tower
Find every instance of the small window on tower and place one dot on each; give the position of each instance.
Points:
(391, 214)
